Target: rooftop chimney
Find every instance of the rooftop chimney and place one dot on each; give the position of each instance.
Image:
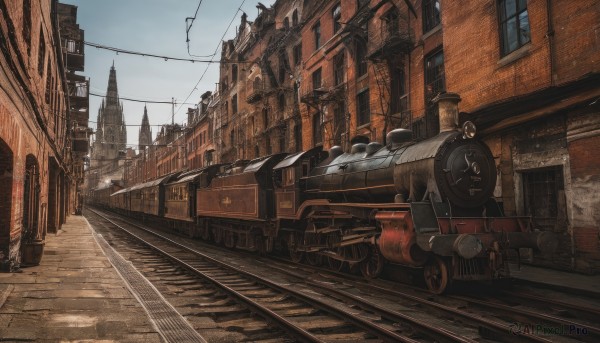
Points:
(448, 110)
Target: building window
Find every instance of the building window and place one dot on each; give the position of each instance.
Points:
(338, 68)
(317, 35)
(316, 126)
(392, 22)
(431, 14)
(514, 25)
(282, 67)
(234, 104)
(268, 146)
(265, 113)
(295, 18)
(281, 101)
(542, 192)
(234, 73)
(286, 23)
(434, 74)
(336, 13)
(398, 97)
(27, 24)
(282, 136)
(435, 83)
(298, 136)
(361, 58)
(296, 95)
(363, 108)
(232, 138)
(339, 122)
(316, 79)
(297, 54)
(41, 53)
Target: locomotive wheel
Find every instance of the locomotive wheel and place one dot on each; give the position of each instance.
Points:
(372, 267)
(437, 275)
(312, 258)
(335, 264)
(293, 243)
(229, 239)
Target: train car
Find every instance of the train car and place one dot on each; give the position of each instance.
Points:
(180, 197)
(100, 196)
(119, 201)
(238, 208)
(153, 196)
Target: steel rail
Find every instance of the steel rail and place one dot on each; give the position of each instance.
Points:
(305, 335)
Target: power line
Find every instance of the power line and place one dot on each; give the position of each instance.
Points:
(166, 58)
(189, 27)
(145, 101)
(216, 50)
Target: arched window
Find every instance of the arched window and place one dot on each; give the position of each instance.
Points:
(286, 23)
(295, 18)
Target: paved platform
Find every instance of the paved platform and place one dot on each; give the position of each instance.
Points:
(74, 295)
(586, 283)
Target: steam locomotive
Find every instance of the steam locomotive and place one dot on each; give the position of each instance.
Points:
(424, 204)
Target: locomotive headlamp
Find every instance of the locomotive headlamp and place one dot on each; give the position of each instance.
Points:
(469, 129)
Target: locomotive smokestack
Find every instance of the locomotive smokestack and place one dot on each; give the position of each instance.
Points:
(448, 110)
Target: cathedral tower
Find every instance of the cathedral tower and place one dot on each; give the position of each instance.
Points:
(145, 137)
(111, 133)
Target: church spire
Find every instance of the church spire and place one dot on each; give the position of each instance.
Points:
(111, 131)
(145, 136)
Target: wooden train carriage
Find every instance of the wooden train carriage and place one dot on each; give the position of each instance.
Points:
(153, 195)
(120, 200)
(289, 183)
(101, 195)
(180, 191)
(245, 195)
(135, 198)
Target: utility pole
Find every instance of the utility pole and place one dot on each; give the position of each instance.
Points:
(172, 111)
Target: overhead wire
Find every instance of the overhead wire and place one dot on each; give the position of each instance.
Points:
(166, 58)
(189, 27)
(215, 53)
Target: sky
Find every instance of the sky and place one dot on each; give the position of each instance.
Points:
(156, 27)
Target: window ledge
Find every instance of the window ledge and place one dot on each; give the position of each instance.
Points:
(431, 32)
(515, 55)
(364, 126)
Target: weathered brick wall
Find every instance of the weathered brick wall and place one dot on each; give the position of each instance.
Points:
(584, 151)
(474, 66)
(32, 113)
(576, 38)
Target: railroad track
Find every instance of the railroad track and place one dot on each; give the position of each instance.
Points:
(302, 314)
(491, 316)
(497, 310)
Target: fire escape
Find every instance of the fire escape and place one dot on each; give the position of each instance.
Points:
(72, 45)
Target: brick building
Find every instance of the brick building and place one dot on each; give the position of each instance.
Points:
(38, 127)
(324, 73)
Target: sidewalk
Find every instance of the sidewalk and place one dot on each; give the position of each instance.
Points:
(73, 295)
(587, 283)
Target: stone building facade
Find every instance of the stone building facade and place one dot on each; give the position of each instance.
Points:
(108, 150)
(37, 151)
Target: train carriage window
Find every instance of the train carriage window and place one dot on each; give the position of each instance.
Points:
(288, 176)
(305, 168)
